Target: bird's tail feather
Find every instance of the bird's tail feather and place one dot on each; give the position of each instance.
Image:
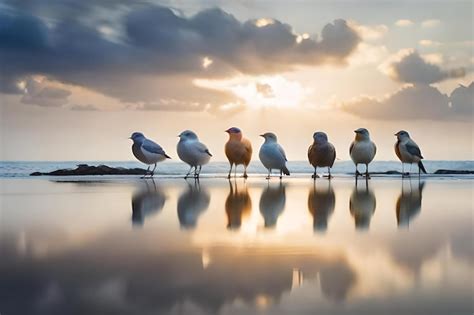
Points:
(422, 167)
(285, 170)
(167, 156)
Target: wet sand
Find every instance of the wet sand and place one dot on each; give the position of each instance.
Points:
(170, 246)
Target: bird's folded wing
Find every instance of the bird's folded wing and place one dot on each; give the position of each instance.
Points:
(351, 147)
(413, 149)
(153, 147)
(282, 152)
(201, 147)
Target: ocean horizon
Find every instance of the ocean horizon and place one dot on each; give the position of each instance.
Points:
(173, 168)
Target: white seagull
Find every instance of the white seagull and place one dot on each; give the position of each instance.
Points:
(408, 151)
(147, 151)
(192, 152)
(272, 155)
(362, 150)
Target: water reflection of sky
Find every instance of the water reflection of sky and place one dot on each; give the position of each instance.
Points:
(232, 247)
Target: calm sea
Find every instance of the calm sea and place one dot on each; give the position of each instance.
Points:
(23, 169)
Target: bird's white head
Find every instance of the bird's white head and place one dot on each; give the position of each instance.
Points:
(320, 137)
(234, 133)
(188, 135)
(362, 134)
(402, 134)
(137, 136)
(269, 136)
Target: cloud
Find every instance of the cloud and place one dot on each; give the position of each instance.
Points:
(430, 23)
(429, 43)
(39, 92)
(370, 32)
(404, 23)
(86, 108)
(410, 67)
(419, 101)
(264, 89)
(462, 100)
(156, 44)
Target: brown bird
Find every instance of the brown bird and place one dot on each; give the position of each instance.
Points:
(321, 153)
(238, 150)
(238, 206)
(408, 151)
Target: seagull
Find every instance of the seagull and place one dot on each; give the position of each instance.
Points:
(362, 150)
(409, 204)
(146, 203)
(238, 150)
(191, 204)
(272, 155)
(192, 152)
(272, 203)
(321, 153)
(408, 151)
(321, 203)
(362, 206)
(147, 151)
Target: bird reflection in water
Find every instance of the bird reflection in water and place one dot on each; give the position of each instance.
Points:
(362, 205)
(272, 204)
(409, 202)
(237, 205)
(146, 202)
(192, 202)
(321, 203)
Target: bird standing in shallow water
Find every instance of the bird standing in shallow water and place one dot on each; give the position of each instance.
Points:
(238, 150)
(147, 151)
(321, 153)
(192, 152)
(362, 150)
(272, 155)
(408, 151)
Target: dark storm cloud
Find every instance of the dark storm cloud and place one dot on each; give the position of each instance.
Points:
(416, 102)
(67, 44)
(414, 69)
(38, 93)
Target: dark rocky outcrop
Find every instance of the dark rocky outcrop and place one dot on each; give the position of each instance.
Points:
(84, 170)
(453, 172)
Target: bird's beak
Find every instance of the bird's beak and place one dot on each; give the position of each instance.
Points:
(262, 136)
(355, 131)
(396, 134)
(226, 130)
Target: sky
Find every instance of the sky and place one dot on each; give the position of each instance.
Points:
(77, 78)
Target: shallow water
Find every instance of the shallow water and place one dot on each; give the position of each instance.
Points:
(129, 246)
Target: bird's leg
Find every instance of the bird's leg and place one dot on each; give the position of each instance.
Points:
(315, 175)
(269, 171)
(411, 164)
(189, 172)
(196, 174)
(329, 171)
(146, 172)
(367, 176)
(235, 171)
(245, 171)
(199, 172)
(230, 171)
(281, 174)
(153, 171)
(357, 172)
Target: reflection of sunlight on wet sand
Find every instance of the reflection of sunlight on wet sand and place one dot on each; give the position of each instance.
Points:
(382, 263)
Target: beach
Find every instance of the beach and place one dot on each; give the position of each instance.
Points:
(122, 245)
